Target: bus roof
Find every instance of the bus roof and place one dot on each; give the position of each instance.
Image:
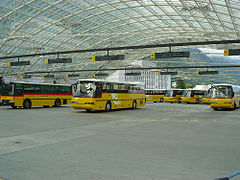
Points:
(225, 85)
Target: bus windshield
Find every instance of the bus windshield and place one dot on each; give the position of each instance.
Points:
(169, 93)
(84, 89)
(222, 92)
(7, 89)
(187, 93)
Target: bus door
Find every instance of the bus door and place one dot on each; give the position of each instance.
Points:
(98, 92)
(16, 94)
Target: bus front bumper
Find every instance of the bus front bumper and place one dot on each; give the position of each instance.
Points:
(77, 105)
(188, 100)
(226, 104)
(170, 99)
(206, 100)
(8, 100)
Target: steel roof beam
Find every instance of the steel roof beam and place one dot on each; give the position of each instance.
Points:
(147, 68)
(126, 47)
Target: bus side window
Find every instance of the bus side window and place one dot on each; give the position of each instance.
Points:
(18, 89)
(98, 90)
(115, 88)
(28, 88)
(37, 89)
(58, 89)
(109, 88)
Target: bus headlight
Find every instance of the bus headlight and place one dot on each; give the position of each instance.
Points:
(89, 103)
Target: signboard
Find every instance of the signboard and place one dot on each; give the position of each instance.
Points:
(168, 73)
(19, 63)
(169, 55)
(108, 58)
(58, 60)
(231, 52)
(48, 76)
(206, 72)
(72, 75)
(133, 74)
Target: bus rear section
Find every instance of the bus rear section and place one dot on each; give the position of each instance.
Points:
(103, 95)
(155, 95)
(225, 96)
(173, 96)
(192, 96)
(26, 95)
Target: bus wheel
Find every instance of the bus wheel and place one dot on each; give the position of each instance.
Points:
(27, 104)
(179, 100)
(57, 103)
(197, 101)
(215, 109)
(108, 107)
(134, 105)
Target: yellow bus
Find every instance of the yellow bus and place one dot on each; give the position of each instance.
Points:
(94, 94)
(155, 95)
(225, 96)
(28, 94)
(207, 97)
(173, 95)
(1, 85)
(192, 96)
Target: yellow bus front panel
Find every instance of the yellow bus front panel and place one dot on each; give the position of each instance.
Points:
(195, 99)
(225, 103)
(172, 99)
(206, 100)
(154, 98)
(188, 100)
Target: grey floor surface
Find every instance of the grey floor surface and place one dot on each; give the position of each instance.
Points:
(155, 142)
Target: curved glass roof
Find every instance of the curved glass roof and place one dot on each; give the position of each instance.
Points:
(39, 26)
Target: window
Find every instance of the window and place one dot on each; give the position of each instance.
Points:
(18, 89)
(28, 88)
(49, 89)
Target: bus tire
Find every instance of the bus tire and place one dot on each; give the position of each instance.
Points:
(27, 104)
(179, 100)
(57, 103)
(215, 109)
(197, 101)
(108, 106)
(134, 105)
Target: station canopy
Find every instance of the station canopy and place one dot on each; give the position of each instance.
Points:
(41, 26)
